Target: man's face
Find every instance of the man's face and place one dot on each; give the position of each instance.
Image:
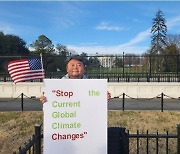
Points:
(75, 69)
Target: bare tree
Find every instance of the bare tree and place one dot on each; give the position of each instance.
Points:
(173, 40)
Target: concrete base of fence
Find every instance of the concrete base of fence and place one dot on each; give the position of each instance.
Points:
(132, 89)
(144, 89)
(11, 90)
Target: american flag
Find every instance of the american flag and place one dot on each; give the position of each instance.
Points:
(25, 69)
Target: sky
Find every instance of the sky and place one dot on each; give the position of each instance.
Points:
(103, 27)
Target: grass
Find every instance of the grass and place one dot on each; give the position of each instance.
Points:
(18, 127)
(145, 120)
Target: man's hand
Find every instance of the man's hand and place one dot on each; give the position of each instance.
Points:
(108, 96)
(43, 99)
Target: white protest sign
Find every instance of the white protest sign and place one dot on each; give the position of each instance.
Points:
(75, 116)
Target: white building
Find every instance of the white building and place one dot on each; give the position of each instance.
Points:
(106, 60)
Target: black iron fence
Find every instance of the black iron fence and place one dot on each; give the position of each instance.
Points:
(34, 144)
(120, 142)
(121, 68)
(112, 77)
(154, 143)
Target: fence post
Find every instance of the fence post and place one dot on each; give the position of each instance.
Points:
(37, 139)
(162, 101)
(178, 139)
(123, 101)
(123, 64)
(118, 141)
(148, 77)
(4, 78)
(150, 68)
(22, 101)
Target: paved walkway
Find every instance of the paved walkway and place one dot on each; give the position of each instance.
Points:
(144, 104)
(9, 104)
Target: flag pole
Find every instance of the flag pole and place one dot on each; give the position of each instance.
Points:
(42, 65)
(42, 72)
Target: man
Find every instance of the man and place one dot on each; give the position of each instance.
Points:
(75, 70)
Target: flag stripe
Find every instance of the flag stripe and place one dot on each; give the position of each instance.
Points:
(17, 62)
(27, 75)
(25, 72)
(28, 79)
(11, 71)
(17, 66)
(25, 69)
